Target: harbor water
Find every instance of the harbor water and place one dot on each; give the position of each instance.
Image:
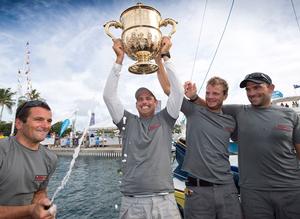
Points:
(92, 190)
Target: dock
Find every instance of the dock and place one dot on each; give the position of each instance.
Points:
(111, 151)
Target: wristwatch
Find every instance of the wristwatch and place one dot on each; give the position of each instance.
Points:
(194, 98)
(166, 54)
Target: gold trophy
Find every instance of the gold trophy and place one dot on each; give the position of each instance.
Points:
(141, 36)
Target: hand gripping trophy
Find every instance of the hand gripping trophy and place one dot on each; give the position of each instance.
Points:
(141, 35)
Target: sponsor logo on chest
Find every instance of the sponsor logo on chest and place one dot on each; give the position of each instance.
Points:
(40, 178)
(153, 126)
(282, 127)
(229, 129)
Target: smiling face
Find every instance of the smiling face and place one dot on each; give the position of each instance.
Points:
(259, 95)
(214, 97)
(35, 128)
(146, 105)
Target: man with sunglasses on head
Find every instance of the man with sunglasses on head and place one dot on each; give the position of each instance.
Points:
(26, 166)
(268, 137)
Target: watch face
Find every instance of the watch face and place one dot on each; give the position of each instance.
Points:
(166, 54)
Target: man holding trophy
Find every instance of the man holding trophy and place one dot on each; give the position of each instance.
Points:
(147, 181)
(147, 184)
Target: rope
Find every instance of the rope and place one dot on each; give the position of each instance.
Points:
(199, 36)
(215, 53)
(293, 6)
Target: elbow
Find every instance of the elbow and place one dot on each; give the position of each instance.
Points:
(105, 98)
(167, 90)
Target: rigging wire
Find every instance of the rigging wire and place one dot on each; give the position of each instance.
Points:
(215, 53)
(199, 37)
(294, 10)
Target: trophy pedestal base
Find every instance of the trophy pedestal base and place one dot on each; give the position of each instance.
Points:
(143, 68)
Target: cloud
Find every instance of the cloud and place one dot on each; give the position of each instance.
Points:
(71, 56)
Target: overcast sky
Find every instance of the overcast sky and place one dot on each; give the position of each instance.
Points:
(71, 56)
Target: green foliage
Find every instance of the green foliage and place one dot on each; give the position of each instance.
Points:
(33, 95)
(6, 100)
(5, 127)
(56, 128)
(177, 129)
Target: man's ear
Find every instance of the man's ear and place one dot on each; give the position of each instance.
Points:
(18, 124)
(225, 96)
(271, 87)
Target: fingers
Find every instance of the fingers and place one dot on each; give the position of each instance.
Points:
(52, 210)
(166, 44)
(117, 44)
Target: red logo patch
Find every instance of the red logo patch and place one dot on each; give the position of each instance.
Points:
(282, 127)
(229, 129)
(40, 178)
(154, 126)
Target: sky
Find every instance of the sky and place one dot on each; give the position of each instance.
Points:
(71, 56)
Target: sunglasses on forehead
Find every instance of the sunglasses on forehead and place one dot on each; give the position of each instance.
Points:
(259, 76)
(30, 104)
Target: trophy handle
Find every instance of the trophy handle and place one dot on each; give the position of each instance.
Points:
(115, 24)
(167, 21)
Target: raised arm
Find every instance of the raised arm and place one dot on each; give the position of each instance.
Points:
(190, 91)
(162, 75)
(176, 91)
(169, 81)
(110, 96)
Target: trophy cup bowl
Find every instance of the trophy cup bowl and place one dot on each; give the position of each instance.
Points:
(141, 36)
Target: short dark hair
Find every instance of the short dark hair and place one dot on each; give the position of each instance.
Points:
(22, 112)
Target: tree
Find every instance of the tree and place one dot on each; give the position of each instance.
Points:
(56, 128)
(5, 127)
(6, 100)
(33, 95)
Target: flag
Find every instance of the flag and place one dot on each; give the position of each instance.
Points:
(64, 126)
(276, 94)
(92, 120)
(296, 86)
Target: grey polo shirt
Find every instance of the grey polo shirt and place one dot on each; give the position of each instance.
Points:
(207, 139)
(147, 154)
(266, 139)
(23, 171)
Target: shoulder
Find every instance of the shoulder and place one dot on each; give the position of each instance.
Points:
(234, 109)
(163, 115)
(5, 144)
(126, 116)
(188, 106)
(286, 111)
(5, 148)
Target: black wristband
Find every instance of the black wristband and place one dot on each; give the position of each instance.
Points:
(166, 54)
(194, 99)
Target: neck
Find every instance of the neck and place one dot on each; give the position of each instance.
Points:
(262, 106)
(27, 143)
(215, 110)
(146, 117)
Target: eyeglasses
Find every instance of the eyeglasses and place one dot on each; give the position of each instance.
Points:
(29, 104)
(259, 76)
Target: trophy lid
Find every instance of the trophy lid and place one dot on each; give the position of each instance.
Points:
(140, 5)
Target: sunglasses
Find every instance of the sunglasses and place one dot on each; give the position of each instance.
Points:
(259, 76)
(29, 104)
